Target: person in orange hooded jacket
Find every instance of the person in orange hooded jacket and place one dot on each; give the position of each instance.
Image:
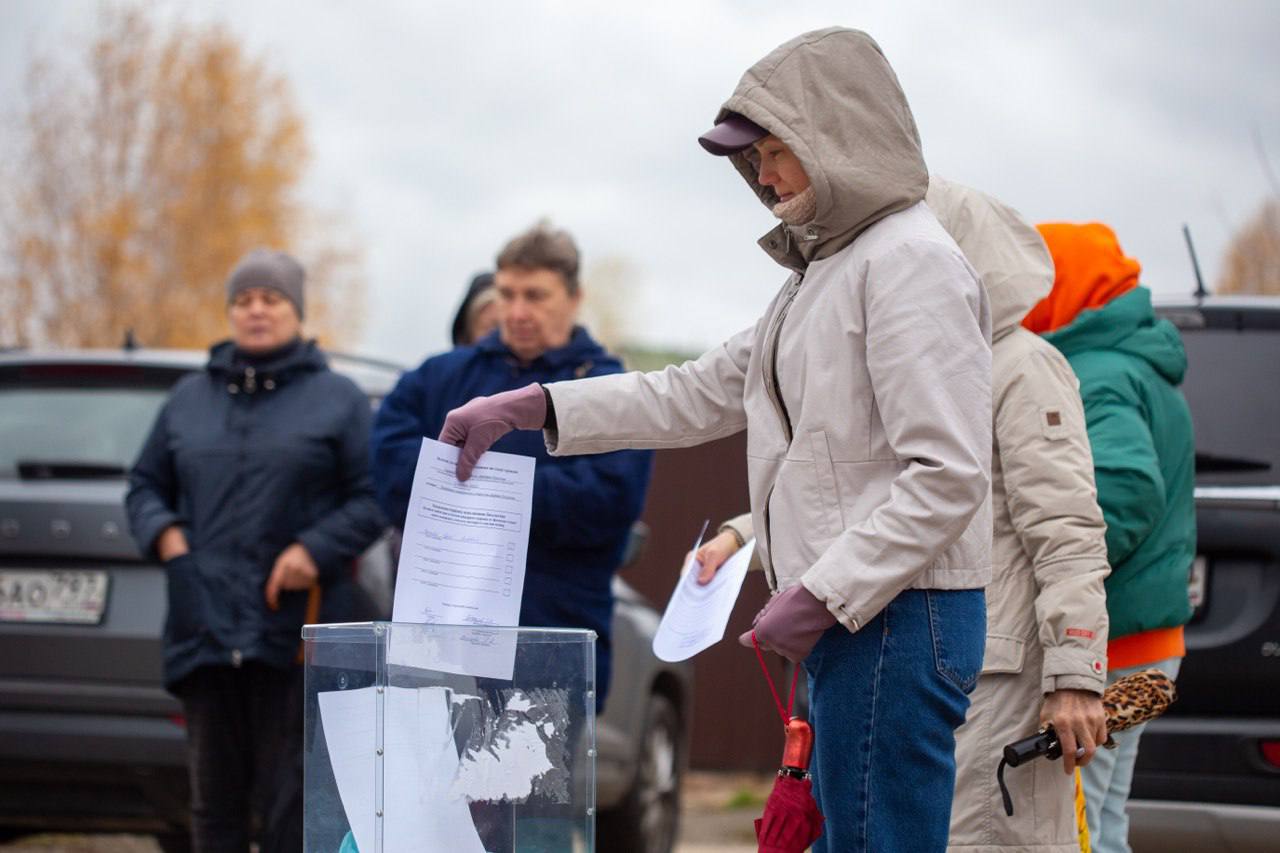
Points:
(1130, 364)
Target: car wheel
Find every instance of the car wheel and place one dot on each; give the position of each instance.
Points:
(649, 816)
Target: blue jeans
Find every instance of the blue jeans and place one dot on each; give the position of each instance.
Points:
(884, 704)
(1109, 775)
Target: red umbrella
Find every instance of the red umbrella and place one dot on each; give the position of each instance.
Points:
(791, 820)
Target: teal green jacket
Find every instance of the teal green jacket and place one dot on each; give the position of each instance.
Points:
(1130, 365)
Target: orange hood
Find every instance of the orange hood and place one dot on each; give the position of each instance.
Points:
(1090, 269)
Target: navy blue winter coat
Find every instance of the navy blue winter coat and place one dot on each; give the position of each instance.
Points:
(248, 460)
(583, 506)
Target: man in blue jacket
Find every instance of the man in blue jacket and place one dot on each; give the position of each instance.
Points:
(583, 506)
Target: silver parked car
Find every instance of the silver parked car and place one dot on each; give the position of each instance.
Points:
(89, 739)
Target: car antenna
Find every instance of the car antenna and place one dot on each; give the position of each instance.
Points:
(1200, 293)
(130, 342)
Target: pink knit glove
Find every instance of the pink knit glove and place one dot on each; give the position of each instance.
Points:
(791, 623)
(477, 425)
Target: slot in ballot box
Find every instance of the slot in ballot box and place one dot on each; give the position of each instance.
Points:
(444, 737)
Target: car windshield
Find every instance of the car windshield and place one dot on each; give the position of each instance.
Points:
(60, 431)
(1235, 404)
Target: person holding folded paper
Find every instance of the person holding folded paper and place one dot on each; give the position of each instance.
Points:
(865, 392)
(1045, 659)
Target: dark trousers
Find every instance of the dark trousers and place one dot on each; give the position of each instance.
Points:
(244, 740)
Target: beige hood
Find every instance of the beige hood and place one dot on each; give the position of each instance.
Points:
(1005, 250)
(832, 98)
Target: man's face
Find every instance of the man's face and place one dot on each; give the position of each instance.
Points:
(535, 309)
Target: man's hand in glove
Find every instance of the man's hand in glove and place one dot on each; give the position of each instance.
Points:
(791, 624)
(477, 425)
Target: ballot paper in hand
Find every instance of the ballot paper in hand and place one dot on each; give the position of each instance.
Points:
(462, 561)
(697, 615)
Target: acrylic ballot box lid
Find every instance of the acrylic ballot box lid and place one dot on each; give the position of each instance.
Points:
(449, 737)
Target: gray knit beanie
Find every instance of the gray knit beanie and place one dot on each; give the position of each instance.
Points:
(265, 268)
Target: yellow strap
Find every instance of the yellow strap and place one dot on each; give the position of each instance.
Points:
(1082, 823)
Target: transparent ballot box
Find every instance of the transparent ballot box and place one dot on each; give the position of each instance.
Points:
(451, 738)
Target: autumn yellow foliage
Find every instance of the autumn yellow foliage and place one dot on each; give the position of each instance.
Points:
(150, 162)
(1252, 263)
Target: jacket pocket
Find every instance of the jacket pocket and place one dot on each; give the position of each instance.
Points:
(958, 624)
(187, 616)
(825, 474)
(1003, 654)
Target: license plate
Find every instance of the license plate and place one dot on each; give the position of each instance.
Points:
(71, 597)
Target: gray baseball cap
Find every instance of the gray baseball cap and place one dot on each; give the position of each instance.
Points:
(732, 134)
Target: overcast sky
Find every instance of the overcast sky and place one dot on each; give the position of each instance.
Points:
(441, 129)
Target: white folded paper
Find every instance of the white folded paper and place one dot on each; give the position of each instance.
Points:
(697, 615)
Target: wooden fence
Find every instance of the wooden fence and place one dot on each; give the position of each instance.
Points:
(735, 724)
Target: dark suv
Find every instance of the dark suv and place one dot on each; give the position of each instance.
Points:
(89, 739)
(1208, 773)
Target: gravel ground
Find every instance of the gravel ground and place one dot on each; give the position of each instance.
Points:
(718, 812)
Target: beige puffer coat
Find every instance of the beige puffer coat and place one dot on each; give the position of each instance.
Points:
(1046, 607)
(865, 387)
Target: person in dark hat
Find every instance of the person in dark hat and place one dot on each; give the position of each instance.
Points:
(478, 314)
(253, 492)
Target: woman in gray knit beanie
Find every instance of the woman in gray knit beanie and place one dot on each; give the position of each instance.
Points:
(253, 492)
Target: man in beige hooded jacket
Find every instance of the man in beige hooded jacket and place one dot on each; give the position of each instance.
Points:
(865, 393)
(1046, 606)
